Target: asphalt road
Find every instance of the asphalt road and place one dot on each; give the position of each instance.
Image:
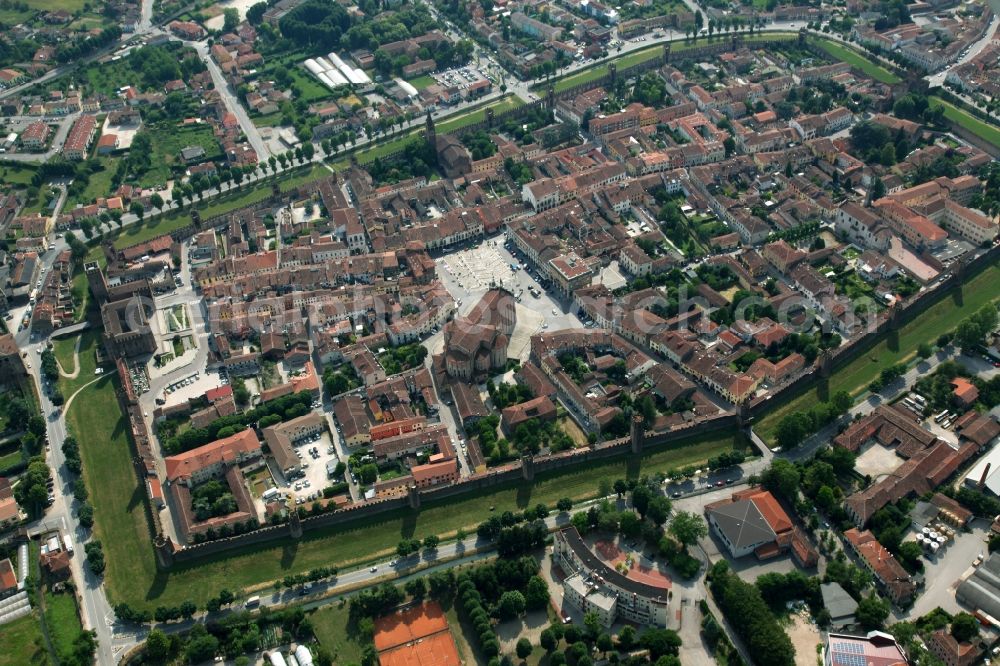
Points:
(95, 610)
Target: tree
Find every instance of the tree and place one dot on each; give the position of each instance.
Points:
(201, 647)
(688, 527)
(782, 477)
(157, 645)
(620, 487)
(137, 209)
(156, 201)
(523, 648)
(626, 638)
(924, 350)
(564, 504)
(658, 510)
(629, 524)
(431, 542)
(641, 496)
(231, 19)
(255, 13)
(548, 640)
(872, 612)
(964, 627)
(536, 593)
(368, 473)
(416, 588)
(511, 605)
(660, 642)
(188, 609)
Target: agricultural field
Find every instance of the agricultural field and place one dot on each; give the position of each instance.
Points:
(23, 643)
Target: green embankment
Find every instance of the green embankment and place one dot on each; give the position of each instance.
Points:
(122, 526)
(899, 346)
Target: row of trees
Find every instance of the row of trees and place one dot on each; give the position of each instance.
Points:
(232, 637)
(797, 426)
(751, 618)
(266, 414)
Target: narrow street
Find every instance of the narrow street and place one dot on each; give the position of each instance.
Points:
(231, 102)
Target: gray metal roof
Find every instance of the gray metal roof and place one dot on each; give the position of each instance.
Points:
(840, 604)
(743, 524)
(981, 590)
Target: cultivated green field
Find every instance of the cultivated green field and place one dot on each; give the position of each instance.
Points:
(941, 317)
(984, 130)
(23, 643)
(122, 526)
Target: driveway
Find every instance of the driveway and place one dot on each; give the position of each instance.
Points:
(943, 573)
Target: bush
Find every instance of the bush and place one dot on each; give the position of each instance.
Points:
(335, 489)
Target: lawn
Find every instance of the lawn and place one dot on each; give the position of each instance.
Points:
(81, 294)
(901, 346)
(13, 459)
(330, 627)
(62, 620)
(87, 359)
(98, 185)
(985, 131)
(64, 349)
(855, 59)
(422, 82)
(17, 174)
(121, 523)
(120, 519)
(72, 6)
(501, 105)
(23, 643)
(382, 149)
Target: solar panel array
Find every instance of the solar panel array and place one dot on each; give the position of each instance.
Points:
(848, 654)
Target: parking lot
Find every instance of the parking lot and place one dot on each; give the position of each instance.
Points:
(314, 452)
(459, 76)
